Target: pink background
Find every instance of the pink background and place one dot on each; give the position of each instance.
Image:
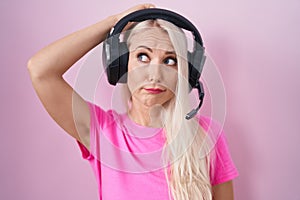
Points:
(255, 43)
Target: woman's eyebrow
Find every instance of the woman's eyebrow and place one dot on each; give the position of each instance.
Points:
(170, 52)
(144, 47)
(149, 49)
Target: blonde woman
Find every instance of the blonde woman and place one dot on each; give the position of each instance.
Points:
(151, 151)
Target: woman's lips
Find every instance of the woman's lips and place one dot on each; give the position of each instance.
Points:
(154, 90)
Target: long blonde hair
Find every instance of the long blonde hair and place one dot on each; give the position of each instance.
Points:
(186, 147)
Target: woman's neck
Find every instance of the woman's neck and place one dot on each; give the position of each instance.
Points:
(145, 115)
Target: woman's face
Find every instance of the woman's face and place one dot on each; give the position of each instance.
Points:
(152, 67)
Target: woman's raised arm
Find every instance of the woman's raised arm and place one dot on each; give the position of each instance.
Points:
(47, 67)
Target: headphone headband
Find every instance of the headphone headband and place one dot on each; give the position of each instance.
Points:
(116, 53)
(157, 13)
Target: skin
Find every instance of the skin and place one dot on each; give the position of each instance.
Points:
(47, 66)
(223, 191)
(152, 65)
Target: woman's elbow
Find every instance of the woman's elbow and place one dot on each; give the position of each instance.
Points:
(34, 69)
(223, 191)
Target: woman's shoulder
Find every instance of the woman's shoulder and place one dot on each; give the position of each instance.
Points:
(102, 117)
(209, 123)
(214, 130)
(98, 109)
(222, 167)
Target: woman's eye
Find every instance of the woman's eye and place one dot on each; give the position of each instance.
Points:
(170, 61)
(143, 57)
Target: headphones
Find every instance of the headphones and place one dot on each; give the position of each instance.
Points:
(116, 53)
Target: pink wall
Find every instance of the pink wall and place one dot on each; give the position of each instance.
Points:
(254, 43)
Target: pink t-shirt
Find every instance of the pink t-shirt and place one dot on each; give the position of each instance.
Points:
(125, 157)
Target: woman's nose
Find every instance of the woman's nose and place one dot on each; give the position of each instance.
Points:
(154, 71)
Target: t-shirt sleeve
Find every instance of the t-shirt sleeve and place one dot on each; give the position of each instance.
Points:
(222, 167)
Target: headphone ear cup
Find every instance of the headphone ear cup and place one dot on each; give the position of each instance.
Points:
(110, 61)
(193, 72)
(123, 62)
(110, 57)
(196, 62)
(115, 58)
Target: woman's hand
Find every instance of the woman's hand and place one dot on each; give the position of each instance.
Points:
(133, 9)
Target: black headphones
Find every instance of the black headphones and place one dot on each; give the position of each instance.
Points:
(116, 53)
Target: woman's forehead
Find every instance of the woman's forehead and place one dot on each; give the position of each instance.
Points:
(154, 37)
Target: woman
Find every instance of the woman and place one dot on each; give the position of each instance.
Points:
(157, 70)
